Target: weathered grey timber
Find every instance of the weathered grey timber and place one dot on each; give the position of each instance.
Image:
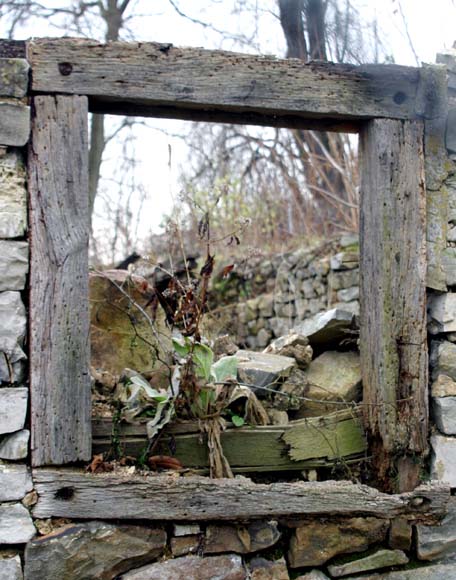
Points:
(299, 445)
(71, 493)
(393, 295)
(59, 225)
(161, 80)
(13, 77)
(14, 123)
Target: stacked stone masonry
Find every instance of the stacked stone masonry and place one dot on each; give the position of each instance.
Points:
(290, 288)
(270, 549)
(16, 524)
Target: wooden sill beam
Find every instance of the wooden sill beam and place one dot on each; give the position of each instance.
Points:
(151, 79)
(75, 494)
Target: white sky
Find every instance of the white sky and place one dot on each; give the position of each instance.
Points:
(430, 25)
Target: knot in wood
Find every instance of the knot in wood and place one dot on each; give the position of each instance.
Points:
(65, 68)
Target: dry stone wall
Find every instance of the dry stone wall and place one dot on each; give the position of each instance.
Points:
(269, 549)
(16, 525)
(289, 289)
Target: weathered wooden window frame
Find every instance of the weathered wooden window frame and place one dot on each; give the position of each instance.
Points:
(397, 111)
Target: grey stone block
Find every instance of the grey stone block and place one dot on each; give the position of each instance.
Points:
(13, 409)
(15, 446)
(436, 572)
(14, 265)
(444, 414)
(438, 542)
(379, 559)
(10, 568)
(444, 459)
(13, 196)
(16, 525)
(443, 359)
(449, 265)
(442, 312)
(15, 481)
(14, 77)
(14, 123)
(13, 323)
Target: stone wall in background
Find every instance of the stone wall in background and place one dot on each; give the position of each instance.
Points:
(288, 289)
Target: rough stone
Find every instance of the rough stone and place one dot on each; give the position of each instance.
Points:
(439, 572)
(339, 280)
(224, 346)
(441, 310)
(288, 397)
(256, 536)
(438, 542)
(92, 550)
(352, 307)
(317, 542)
(449, 265)
(15, 446)
(114, 341)
(348, 294)
(263, 337)
(13, 323)
(293, 345)
(277, 417)
(313, 575)
(14, 264)
(16, 525)
(262, 569)
(443, 359)
(436, 233)
(15, 481)
(444, 414)
(444, 459)
(13, 196)
(266, 305)
(263, 370)
(379, 559)
(333, 376)
(182, 545)
(280, 326)
(327, 327)
(443, 386)
(226, 567)
(186, 529)
(10, 567)
(13, 409)
(400, 534)
(344, 261)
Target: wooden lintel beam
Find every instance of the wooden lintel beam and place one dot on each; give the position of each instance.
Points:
(121, 75)
(75, 494)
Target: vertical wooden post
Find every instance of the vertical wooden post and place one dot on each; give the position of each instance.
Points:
(393, 300)
(59, 316)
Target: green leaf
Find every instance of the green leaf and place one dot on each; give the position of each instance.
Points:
(225, 368)
(181, 347)
(203, 357)
(237, 421)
